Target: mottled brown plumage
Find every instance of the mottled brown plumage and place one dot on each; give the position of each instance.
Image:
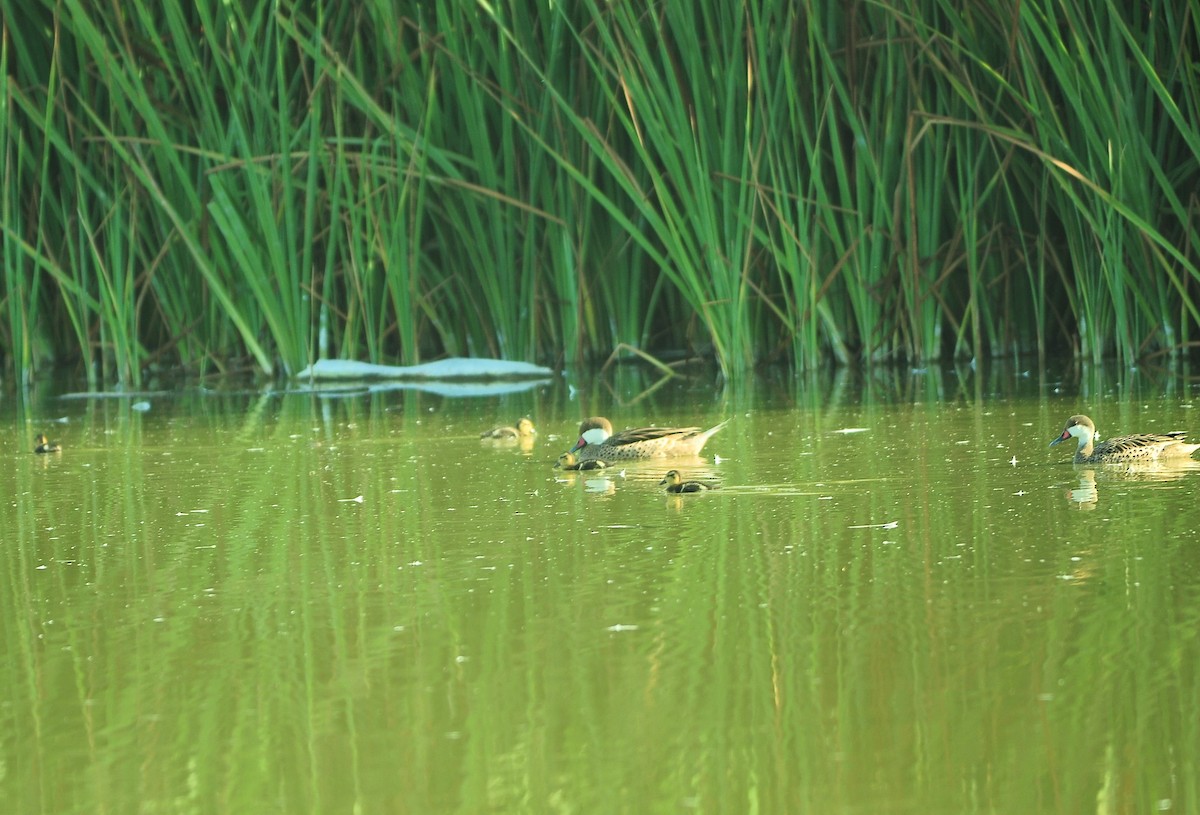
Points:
(597, 441)
(1139, 448)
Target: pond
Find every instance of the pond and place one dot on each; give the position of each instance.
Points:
(899, 599)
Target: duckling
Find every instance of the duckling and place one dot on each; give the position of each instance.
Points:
(523, 430)
(568, 461)
(675, 483)
(44, 445)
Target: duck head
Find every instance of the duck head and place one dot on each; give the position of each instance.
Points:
(1079, 427)
(671, 479)
(593, 430)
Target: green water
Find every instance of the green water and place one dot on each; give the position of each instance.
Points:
(899, 600)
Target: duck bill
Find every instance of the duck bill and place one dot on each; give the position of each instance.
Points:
(579, 445)
(1065, 435)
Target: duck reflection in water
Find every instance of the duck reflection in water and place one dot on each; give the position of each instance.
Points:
(1085, 495)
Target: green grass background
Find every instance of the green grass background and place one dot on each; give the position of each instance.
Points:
(220, 185)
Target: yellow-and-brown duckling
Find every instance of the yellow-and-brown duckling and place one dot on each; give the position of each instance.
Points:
(523, 430)
(597, 441)
(568, 461)
(1139, 448)
(44, 445)
(675, 483)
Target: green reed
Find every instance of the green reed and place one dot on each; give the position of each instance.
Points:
(1121, 161)
(204, 184)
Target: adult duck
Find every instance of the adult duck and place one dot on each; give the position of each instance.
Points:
(597, 441)
(1140, 448)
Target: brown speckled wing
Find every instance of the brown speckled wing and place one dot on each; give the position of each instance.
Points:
(648, 434)
(1125, 445)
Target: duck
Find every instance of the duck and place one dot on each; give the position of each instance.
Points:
(1140, 448)
(523, 430)
(44, 445)
(568, 461)
(597, 441)
(675, 483)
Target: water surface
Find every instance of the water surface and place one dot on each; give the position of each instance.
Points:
(898, 600)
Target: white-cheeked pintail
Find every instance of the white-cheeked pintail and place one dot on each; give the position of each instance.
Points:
(597, 441)
(1140, 448)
